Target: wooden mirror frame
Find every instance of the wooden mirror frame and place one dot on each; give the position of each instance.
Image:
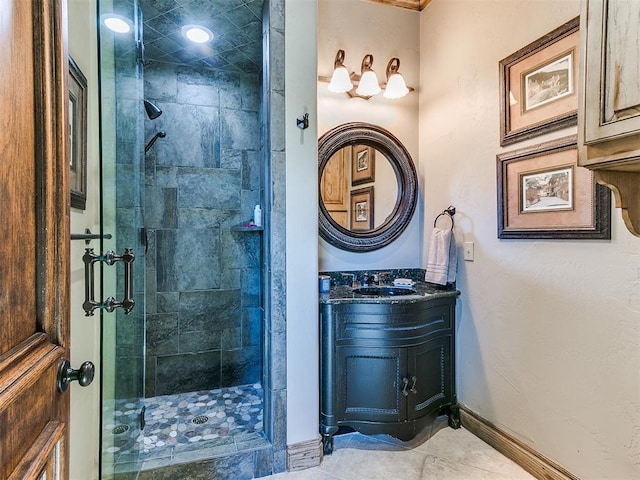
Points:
(360, 133)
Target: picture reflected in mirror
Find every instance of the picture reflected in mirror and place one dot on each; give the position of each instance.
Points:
(350, 171)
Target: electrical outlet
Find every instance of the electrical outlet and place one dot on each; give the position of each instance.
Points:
(468, 251)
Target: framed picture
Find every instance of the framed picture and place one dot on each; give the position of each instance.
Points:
(363, 164)
(539, 86)
(543, 193)
(77, 135)
(362, 209)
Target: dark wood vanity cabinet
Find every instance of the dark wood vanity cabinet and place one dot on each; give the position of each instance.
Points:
(386, 367)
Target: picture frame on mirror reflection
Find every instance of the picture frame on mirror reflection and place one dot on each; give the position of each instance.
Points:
(361, 212)
(363, 164)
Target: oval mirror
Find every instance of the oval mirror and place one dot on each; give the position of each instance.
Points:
(368, 187)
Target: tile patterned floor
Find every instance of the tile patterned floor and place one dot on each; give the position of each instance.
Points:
(186, 426)
(442, 454)
(235, 421)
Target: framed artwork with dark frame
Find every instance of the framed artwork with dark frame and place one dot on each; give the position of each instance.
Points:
(363, 164)
(543, 193)
(539, 86)
(77, 136)
(361, 212)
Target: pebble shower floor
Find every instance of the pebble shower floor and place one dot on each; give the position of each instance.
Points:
(184, 422)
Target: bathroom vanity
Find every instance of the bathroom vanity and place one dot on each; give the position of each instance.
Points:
(387, 354)
(387, 362)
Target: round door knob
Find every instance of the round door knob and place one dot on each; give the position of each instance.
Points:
(84, 375)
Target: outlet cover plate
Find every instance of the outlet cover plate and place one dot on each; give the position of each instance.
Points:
(467, 248)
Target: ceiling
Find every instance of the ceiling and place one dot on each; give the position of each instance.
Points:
(410, 4)
(236, 26)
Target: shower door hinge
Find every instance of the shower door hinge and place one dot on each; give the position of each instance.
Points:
(144, 239)
(140, 51)
(110, 258)
(141, 418)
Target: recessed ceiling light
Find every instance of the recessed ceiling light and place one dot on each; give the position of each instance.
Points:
(117, 23)
(197, 33)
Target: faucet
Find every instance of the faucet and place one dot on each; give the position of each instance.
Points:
(354, 282)
(377, 278)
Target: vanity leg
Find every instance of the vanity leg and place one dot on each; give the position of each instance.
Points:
(454, 416)
(327, 444)
(327, 433)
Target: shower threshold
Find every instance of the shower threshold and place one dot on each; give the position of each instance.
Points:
(185, 427)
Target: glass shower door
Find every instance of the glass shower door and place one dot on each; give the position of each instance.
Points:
(122, 196)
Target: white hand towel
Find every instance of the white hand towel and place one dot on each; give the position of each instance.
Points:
(442, 258)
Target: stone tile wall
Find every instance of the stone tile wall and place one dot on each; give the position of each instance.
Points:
(204, 315)
(275, 351)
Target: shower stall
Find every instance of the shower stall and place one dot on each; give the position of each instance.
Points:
(187, 375)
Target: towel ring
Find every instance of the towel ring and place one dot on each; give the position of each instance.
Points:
(449, 212)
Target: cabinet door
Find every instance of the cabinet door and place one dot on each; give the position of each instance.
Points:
(430, 373)
(370, 387)
(609, 110)
(612, 90)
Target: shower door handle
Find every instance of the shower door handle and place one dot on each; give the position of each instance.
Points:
(110, 258)
(127, 304)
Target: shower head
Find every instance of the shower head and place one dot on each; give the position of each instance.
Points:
(160, 134)
(152, 109)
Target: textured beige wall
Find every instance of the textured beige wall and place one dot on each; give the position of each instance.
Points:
(360, 28)
(548, 331)
(301, 213)
(85, 331)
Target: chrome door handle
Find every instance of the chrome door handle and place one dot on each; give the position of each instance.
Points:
(84, 375)
(110, 258)
(110, 304)
(405, 384)
(413, 385)
(89, 258)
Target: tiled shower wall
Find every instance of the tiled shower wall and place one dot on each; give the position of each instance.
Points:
(204, 315)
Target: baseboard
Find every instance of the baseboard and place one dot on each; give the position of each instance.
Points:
(533, 462)
(304, 455)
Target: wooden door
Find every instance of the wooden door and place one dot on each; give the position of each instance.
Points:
(334, 188)
(34, 240)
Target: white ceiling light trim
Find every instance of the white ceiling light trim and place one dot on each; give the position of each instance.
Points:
(197, 33)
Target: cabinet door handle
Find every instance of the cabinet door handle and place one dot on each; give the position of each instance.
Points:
(405, 384)
(413, 386)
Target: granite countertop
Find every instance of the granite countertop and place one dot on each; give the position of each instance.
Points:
(424, 291)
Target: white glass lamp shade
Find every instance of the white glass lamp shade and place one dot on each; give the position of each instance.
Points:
(368, 84)
(340, 81)
(396, 87)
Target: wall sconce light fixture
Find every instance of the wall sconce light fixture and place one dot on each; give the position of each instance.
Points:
(366, 84)
(396, 87)
(340, 80)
